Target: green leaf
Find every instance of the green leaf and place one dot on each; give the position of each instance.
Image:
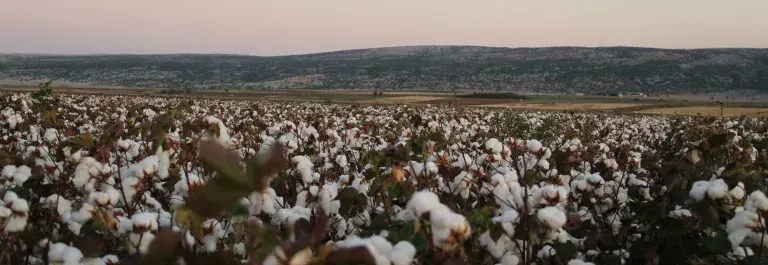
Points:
(716, 245)
(379, 221)
(352, 202)
(404, 233)
(396, 191)
(531, 178)
(481, 218)
(708, 213)
(420, 242)
(717, 139)
(607, 259)
(565, 251)
(496, 231)
(238, 210)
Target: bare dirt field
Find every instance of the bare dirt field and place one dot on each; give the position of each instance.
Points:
(728, 111)
(563, 106)
(398, 100)
(670, 105)
(469, 101)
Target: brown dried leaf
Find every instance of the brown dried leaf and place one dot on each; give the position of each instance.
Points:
(694, 156)
(231, 184)
(398, 172)
(322, 225)
(221, 159)
(164, 248)
(355, 255)
(261, 170)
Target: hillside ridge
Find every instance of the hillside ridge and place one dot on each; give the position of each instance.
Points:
(438, 68)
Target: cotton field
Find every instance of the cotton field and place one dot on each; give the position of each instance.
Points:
(137, 180)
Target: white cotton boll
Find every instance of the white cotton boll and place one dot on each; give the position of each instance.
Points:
(534, 145)
(76, 156)
(20, 206)
(737, 192)
(62, 204)
(416, 168)
(422, 202)
(302, 199)
(5, 212)
(8, 171)
(381, 244)
(344, 179)
(738, 236)
(595, 179)
(111, 259)
(164, 219)
(622, 196)
(402, 253)
(720, 171)
(95, 170)
(32, 260)
(718, 189)
(83, 215)
(341, 160)
(509, 259)
(580, 262)
(740, 252)
(239, 248)
(509, 216)
(50, 135)
(490, 143)
(543, 164)
(82, 176)
(93, 261)
(15, 223)
(679, 213)
(9, 197)
(699, 190)
(188, 240)
(99, 198)
(20, 178)
(756, 201)
(164, 163)
(209, 242)
(144, 221)
(551, 217)
(142, 241)
(129, 188)
(546, 252)
(432, 167)
(314, 190)
(114, 196)
(60, 253)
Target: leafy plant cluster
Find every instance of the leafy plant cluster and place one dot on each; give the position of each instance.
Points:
(140, 180)
(44, 91)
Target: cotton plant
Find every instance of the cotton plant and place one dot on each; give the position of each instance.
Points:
(399, 184)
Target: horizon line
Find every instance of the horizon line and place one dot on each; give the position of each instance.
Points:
(379, 47)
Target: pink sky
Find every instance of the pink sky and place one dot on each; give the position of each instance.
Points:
(275, 27)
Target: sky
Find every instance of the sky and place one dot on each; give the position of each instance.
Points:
(280, 27)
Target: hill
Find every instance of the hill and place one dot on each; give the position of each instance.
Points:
(555, 69)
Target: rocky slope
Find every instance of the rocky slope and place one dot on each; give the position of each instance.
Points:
(557, 69)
